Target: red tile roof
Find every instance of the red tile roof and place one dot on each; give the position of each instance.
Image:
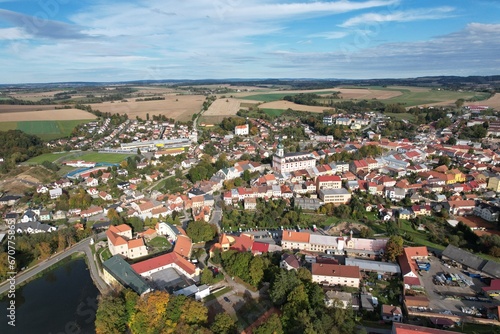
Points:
(164, 260)
(335, 270)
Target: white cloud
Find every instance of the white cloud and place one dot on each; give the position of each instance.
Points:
(399, 16)
(331, 34)
(13, 34)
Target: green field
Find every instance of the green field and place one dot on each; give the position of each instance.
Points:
(279, 96)
(104, 157)
(6, 126)
(410, 98)
(47, 130)
(401, 116)
(274, 112)
(51, 157)
(87, 156)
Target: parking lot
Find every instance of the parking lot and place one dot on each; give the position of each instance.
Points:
(455, 296)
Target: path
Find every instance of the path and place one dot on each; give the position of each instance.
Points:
(81, 247)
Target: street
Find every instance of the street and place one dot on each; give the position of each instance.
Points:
(83, 246)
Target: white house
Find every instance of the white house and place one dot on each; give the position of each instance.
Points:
(55, 193)
(241, 130)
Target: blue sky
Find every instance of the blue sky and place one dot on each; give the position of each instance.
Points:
(98, 40)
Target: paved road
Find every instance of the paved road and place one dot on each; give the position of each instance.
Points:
(82, 246)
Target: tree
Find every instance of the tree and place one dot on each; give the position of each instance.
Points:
(150, 313)
(110, 316)
(194, 312)
(256, 270)
(223, 324)
(271, 326)
(207, 276)
(393, 248)
(282, 285)
(200, 231)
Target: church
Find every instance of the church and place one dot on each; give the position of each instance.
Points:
(289, 162)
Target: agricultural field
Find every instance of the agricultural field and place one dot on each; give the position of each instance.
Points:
(369, 93)
(223, 107)
(493, 102)
(284, 105)
(46, 130)
(432, 97)
(178, 107)
(38, 113)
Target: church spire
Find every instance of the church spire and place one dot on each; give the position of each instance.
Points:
(280, 152)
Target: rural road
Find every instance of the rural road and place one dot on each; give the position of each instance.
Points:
(83, 246)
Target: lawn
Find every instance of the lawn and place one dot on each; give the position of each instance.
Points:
(105, 254)
(419, 238)
(160, 242)
(217, 294)
(402, 116)
(104, 157)
(273, 112)
(87, 156)
(51, 157)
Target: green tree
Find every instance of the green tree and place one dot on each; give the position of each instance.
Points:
(393, 248)
(271, 326)
(200, 231)
(207, 277)
(223, 324)
(111, 315)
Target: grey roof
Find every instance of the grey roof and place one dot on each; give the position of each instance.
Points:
(492, 268)
(377, 266)
(174, 229)
(34, 225)
(341, 191)
(463, 257)
(187, 291)
(326, 240)
(123, 273)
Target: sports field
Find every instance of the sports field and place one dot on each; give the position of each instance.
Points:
(47, 130)
(87, 156)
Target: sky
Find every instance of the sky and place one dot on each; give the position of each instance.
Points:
(119, 40)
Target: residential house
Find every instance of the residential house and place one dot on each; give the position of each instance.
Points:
(250, 203)
(391, 313)
(120, 242)
(289, 262)
(332, 274)
(55, 193)
(487, 212)
(183, 246)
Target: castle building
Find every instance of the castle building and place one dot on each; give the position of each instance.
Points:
(289, 162)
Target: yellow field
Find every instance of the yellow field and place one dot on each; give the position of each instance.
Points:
(493, 102)
(178, 107)
(43, 115)
(287, 104)
(223, 107)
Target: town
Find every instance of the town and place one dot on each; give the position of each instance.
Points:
(367, 219)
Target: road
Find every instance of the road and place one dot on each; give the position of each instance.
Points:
(216, 217)
(81, 247)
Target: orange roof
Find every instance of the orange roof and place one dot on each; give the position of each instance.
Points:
(293, 236)
(134, 243)
(183, 246)
(119, 228)
(114, 238)
(164, 260)
(149, 231)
